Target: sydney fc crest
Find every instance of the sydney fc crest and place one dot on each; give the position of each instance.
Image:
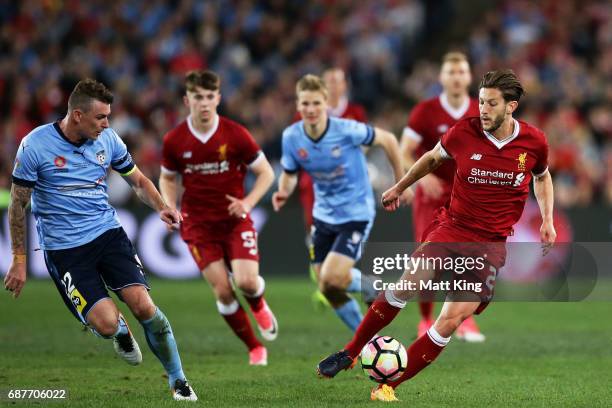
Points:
(101, 156)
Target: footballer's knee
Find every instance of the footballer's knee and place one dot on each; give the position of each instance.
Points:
(104, 318)
(332, 283)
(247, 284)
(224, 293)
(106, 325)
(138, 300)
(333, 292)
(143, 310)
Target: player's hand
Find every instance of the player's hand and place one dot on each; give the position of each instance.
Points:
(171, 217)
(15, 279)
(238, 208)
(391, 199)
(432, 186)
(279, 199)
(548, 235)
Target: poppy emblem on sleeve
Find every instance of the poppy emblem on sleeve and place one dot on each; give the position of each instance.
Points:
(59, 161)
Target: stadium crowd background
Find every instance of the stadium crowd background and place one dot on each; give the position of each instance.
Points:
(561, 50)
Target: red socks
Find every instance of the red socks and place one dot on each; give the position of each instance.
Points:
(421, 353)
(256, 300)
(379, 315)
(256, 303)
(238, 320)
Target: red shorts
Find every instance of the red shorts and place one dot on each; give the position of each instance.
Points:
(228, 240)
(445, 240)
(424, 211)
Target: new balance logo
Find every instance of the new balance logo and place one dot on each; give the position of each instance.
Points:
(476, 156)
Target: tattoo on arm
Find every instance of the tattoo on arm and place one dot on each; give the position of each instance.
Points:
(20, 198)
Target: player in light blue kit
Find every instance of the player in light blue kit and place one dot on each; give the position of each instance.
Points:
(62, 167)
(329, 150)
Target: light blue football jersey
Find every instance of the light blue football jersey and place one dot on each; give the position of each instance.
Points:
(69, 200)
(338, 168)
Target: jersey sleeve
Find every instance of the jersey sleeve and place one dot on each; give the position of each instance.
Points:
(539, 169)
(121, 159)
(248, 148)
(360, 133)
(416, 126)
(169, 162)
(450, 143)
(25, 172)
(288, 162)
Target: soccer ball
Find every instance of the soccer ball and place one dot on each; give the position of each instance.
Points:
(384, 359)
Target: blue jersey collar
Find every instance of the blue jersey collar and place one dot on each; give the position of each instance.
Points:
(322, 135)
(61, 133)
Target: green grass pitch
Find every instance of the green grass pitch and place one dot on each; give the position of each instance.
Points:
(536, 355)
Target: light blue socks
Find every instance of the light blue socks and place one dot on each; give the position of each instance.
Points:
(350, 314)
(161, 341)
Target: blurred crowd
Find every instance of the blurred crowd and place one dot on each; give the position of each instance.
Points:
(562, 52)
(141, 49)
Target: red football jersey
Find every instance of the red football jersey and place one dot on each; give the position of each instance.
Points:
(429, 120)
(492, 178)
(211, 165)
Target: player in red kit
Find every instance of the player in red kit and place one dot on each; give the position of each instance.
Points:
(427, 122)
(496, 157)
(212, 154)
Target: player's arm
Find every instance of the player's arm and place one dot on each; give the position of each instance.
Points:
(543, 190)
(16, 277)
(388, 142)
(425, 165)
(286, 186)
(168, 187)
(431, 184)
(264, 177)
(408, 146)
(148, 194)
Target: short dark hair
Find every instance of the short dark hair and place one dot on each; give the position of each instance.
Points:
(85, 92)
(506, 81)
(203, 78)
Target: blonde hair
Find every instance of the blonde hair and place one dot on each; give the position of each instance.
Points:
(310, 82)
(454, 56)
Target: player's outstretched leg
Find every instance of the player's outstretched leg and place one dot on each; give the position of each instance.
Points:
(238, 321)
(335, 278)
(424, 350)
(217, 275)
(105, 321)
(160, 338)
(379, 315)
